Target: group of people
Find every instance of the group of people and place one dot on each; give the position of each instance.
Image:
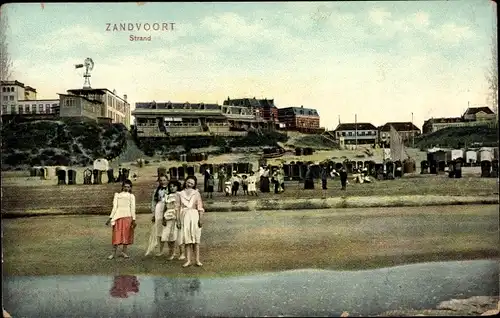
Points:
(177, 211)
(325, 175)
(177, 218)
(230, 183)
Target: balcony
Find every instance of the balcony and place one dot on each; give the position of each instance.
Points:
(200, 112)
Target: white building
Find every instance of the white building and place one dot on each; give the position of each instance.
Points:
(360, 133)
(114, 106)
(18, 98)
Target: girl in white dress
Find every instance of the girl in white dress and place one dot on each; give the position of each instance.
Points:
(170, 230)
(158, 210)
(189, 208)
(252, 180)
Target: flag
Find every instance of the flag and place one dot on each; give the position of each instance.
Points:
(397, 147)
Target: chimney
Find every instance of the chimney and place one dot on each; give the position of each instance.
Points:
(125, 97)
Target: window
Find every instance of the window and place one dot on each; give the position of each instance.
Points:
(350, 133)
(40, 109)
(4, 89)
(4, 109)
(47, 108)
(362, 133)
(11, 97)
(12, 109)
(343, 133)
(5, 97)
(20, 109)
(33, 109)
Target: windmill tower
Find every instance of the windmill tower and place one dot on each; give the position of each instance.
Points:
(89, 66)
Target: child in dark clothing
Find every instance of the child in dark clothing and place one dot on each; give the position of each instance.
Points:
(210, 186)
(343, 178)
(244, 183)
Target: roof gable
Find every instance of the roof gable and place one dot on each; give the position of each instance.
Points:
(475, 110)
(354, 126)
(300, 111)
(399, 126)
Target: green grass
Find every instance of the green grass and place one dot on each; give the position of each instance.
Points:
(60, 143)
(457, 137)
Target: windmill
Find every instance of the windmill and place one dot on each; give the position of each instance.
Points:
(89, 66)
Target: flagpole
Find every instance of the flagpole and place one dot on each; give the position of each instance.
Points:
(412, 131)
(356, 127)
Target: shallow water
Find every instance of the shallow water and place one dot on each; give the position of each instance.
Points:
(305, 292)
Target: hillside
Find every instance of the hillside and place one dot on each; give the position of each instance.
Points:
(219, 145)
(60, 143)
(457, 137)
(315, 141)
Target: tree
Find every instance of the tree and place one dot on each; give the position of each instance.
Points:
(5, 60)
(492, 75)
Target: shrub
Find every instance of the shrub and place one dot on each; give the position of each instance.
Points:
(15, 159)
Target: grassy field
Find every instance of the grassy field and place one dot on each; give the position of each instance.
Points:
(234, 243)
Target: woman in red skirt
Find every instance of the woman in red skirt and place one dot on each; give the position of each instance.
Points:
(122, 219)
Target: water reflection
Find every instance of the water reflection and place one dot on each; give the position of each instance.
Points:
(123, 285)
(175, 295)
(291, 293)
(166, 287)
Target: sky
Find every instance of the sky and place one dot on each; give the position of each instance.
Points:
(379, 61)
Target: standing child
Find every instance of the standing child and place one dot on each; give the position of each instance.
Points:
(170, 230)
(324, 177)
(158, 209)
(122, 219)
(210, 186)
(343, 177)
(252, 180)
(235, 181)
(244, 184)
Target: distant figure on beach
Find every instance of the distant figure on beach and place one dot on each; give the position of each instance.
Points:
(324, 177)
(309, 180)
(279, 181)
(235, 184)
(252, 180)
(207, 175)
(189, 209)
(210, 186)
(343, 177)
(264, 180)
(221, 179)
(244, 184)
(122, 219)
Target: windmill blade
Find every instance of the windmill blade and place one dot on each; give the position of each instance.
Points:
(78, 65)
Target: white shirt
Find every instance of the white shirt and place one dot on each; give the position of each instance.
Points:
(123, 206)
